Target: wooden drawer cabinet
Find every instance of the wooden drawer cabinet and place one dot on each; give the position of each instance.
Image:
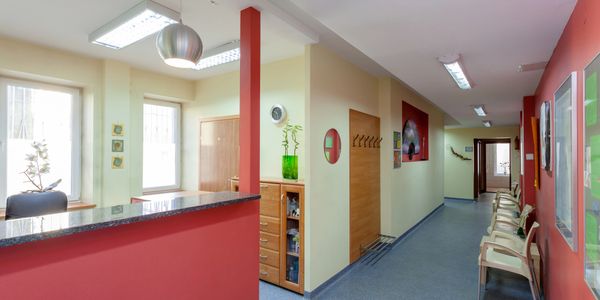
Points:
(270, 225)
(270, 200)
(269, 257)
(281, 226)
(269, 241)
(268, 273)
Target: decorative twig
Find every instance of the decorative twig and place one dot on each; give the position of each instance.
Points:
(458, 154)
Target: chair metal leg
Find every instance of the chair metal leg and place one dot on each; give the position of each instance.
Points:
(479, 285)
(534, 289)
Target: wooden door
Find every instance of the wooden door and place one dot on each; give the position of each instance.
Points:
(219, 153)
(365, 202)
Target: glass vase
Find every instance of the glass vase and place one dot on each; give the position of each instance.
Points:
(289, 166)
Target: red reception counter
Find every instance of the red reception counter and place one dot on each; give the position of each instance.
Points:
(196, 247)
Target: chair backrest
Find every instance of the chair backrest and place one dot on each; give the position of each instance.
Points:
(35, 204)
(516, 189)
(527, 209)
(529, 240)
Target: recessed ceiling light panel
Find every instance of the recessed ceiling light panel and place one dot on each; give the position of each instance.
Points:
(138, 22)
(479, 110)
(223, 54)
(454, 67)
(487, 123)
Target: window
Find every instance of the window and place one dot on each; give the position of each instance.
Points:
(502, 163)
(161, 146)
(35, 112)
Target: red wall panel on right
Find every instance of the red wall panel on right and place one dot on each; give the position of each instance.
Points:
(578, 45)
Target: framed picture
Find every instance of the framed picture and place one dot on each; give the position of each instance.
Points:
(415, 134)
(591, 175)
(565, 162)
(118, 130)
(397, 140)
(118, 145)
(118, 162)
(545, 137)
(397, 159)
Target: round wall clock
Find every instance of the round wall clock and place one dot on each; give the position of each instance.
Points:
(278, 113)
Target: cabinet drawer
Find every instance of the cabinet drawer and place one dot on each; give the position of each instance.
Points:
(269, 241)
(269, 224)
(268, 273)
(269, 257)
(270, 199)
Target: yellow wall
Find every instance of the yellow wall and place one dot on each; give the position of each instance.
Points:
(282, 82)
(113, 92)
(458, 174)
(415, 189)
(334, 87)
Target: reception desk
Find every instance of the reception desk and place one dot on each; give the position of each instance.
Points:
(193, 247)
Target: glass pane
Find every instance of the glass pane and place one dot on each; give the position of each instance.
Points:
(592, 178)
(38, 115)
(160, 146)
(502, 164)
(563, 144)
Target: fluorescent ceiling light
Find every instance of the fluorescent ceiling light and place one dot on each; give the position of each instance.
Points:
(480, 110)
(223, 54)
(487, 123)
(453, 66)
(140, 21)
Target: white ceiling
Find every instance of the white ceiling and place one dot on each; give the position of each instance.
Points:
(494, 37)
(66, 24)
(402, 38)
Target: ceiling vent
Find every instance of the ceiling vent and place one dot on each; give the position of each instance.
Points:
(532, 67)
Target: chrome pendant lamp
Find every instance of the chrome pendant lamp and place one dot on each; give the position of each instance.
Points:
(179, 46)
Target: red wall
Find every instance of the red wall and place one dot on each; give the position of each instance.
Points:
(578, 45)
(210, 254)
(528, 178)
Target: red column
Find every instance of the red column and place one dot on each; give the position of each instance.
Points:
(250, 101)
(528, 178)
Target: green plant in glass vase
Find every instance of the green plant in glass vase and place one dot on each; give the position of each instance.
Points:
(289, 164)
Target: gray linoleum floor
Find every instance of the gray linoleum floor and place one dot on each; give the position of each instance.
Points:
(438, 260)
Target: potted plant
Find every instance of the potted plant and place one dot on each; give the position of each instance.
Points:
(29, 202)
(289, 164)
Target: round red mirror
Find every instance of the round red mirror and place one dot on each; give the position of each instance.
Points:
(332, 146)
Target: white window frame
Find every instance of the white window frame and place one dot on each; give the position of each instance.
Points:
(177, 124)
(75, 192)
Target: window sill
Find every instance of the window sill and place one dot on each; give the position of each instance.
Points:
(75, 205)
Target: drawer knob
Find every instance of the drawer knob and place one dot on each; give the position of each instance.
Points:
(264, 273)
(263, 240)
(263, 224)
(263, 257)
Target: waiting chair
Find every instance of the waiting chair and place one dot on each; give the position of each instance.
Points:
(508, 223)
(512, 259)
(35, 204)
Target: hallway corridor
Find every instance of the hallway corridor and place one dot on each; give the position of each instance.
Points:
(438, 260)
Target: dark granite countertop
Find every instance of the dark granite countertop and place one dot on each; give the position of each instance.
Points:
(25, 230)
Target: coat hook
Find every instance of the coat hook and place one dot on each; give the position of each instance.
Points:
(354, 141)
(379, 142)
(373, 141)
(368, 142)
(360, 140)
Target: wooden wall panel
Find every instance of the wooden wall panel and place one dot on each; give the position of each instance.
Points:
(219, 153)
(365, 201)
